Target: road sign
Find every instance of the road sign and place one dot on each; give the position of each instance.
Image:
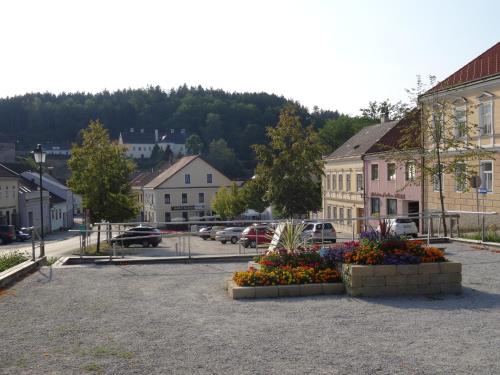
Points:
(483, 190)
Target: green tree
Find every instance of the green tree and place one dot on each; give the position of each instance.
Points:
(376, 110)
(194, 144)
(253, 195)
(100, 173)
(223, 158)
(290, 166)
(228, 202)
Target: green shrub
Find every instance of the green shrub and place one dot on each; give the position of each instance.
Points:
(11, 259)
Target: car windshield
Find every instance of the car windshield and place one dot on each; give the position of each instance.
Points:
(403, 221)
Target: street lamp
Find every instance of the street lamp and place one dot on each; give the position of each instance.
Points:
(39, 156)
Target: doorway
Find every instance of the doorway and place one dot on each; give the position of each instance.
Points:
(413, 211)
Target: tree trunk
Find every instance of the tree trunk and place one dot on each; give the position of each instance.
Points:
(98, 245)
(441, 197)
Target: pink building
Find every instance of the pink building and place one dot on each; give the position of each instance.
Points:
(392, 188)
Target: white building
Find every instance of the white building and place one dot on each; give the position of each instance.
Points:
(182, 192)
(140, 144)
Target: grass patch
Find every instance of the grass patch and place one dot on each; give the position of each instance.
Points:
(92, 249)
(102, 351)
(489, 236)
(12, 259)
(51, 260)
(94, 367)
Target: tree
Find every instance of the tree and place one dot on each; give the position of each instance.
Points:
(228, 202)
(376, 110)
(336, 132)
(168, 155)
(222, 157)
(290, 167)
(253, 195)
(194, 144)
(100, 173)
(443, 146)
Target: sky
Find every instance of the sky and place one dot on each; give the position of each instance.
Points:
(336, 55)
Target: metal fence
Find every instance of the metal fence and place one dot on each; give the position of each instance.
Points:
(185, 238)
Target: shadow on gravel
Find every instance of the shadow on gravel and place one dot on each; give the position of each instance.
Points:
(470, 299)
(46, 275)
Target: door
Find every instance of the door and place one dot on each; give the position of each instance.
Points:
(413, 211)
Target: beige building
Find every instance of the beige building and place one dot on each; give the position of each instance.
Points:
(343, 182)
(473, 94)
(182, 192)
(9, 203)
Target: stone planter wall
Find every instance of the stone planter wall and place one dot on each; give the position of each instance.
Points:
(411, 279)
(273, 291)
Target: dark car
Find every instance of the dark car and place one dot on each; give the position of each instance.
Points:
(23, 234)
(142, 235)
(7, 234)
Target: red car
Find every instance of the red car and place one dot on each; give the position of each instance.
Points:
(255, 235)
(7, 233)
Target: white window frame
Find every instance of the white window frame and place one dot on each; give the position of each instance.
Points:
(463, 187)
(396, 208)
(341, 181)
(391, 177)
(489, 189)
(328, 182)
(359, 182)
(341, 215)
(458, 120)
(371, 206)
(187, 179)
(334, 182)
(435, 185)
(372, 166)
(486, 100)
(348, 182)
(410, 171)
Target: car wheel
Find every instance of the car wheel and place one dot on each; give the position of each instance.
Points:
(145, 243)
(245, 244)
(414, 235)
(204, 238)
(156, 244)
(253, 244)
(223, 242)
(234, 240)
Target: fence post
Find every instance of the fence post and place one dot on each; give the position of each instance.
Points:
(33, 255)
(429, 222)
(256, 240)
(458, 226)
(482, 229)
(189, 242)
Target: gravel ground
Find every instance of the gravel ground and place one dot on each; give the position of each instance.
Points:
(177, 319)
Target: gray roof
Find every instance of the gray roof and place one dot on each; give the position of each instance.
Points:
(361, 142)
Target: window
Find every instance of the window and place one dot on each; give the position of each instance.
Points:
(485, 118)
(410, 171)
(349, 216)
(460, 121)
(167, 198)
(487, 175)
(375, 206)
(334, 182)
(334, 212)
(348, 182)
(329, 212)
(437, 122)
(185, 216)
(187, 178)
(328, 182)
(184, 198)
(167, 217)
(341, 215)
(460, 177)
(392, 207)
(341, 182)
(359, 182)
(391, 172)
(201, 197)
(374, 173)
(435, 178)
(209, 178)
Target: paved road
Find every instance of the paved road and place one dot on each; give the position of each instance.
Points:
(56, 244)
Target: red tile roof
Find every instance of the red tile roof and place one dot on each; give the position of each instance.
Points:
(485, 65)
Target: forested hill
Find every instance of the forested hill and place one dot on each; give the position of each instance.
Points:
(238, 118)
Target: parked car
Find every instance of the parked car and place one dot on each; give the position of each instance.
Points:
(255, 235)
(214, 230)
(402, 226)
(205, 232)
(7, 234)
(231, 234)
(319, 232)
(141, 235)
(23, 234)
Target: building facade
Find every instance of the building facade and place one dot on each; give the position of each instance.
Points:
(182, 192)
(344, 182)
(473, 94)
(29, 206)
(140, 144)
(9, 206)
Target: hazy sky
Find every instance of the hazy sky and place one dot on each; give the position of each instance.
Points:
(333, 54)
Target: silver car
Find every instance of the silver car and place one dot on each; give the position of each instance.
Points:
(403, 226)
(319, 232)
(231, 234)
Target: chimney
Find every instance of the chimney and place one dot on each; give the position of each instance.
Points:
(131, 130)
(156, 135)
(142, 130)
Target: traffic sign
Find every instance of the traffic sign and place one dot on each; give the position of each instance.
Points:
(483, 190)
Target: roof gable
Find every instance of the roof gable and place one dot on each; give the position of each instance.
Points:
(360, 142)
(484, 66)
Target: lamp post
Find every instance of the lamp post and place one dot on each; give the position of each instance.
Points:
(39, 156)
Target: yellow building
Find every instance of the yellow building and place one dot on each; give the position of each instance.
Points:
(343, 182)
(9, 206)
(473, 94)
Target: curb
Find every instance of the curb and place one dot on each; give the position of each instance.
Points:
(9, 276)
